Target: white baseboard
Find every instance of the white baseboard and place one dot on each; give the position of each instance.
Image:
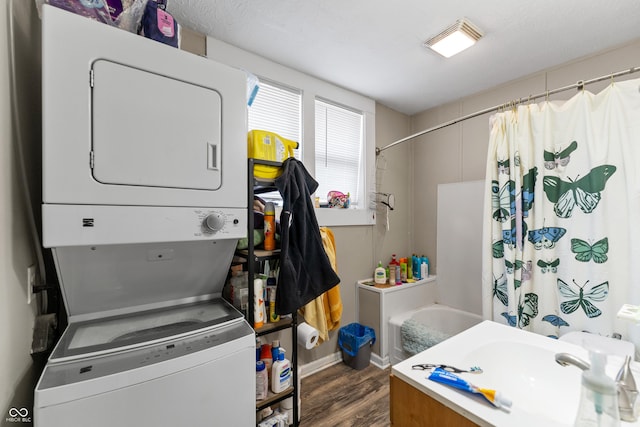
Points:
(335, 358)
(380, 362)
(320, 364)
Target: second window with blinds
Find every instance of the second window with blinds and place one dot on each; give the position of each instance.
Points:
(338, 150)
(338, 144)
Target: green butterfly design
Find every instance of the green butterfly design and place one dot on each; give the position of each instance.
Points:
(498, 249)
(503, 166)
(503, 200)
(582, 299)
(527, 310)
(557, 159)
(585, 252)
(510, 267)
(527, 194)
(548, 266)
(584, 192)
(500, 289)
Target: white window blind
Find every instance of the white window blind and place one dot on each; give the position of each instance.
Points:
(277, 109)
(338, 154)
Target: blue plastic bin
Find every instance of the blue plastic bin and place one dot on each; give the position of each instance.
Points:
(355, 341)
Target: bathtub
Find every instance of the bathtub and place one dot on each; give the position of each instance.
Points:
(446, 319)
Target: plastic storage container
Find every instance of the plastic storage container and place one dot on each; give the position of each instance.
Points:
(265, 145)
(355, 341)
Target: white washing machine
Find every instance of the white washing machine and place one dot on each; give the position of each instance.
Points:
(144, 199)
(185, 365)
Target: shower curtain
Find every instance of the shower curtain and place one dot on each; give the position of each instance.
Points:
(561, 235)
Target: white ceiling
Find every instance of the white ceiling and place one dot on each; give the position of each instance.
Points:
(374, 47)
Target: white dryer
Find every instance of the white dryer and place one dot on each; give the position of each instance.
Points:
(144, 199)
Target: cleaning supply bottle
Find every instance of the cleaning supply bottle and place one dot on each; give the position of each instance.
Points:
(262, 380)
(380, 276)
(258, 303)
(265, 356)
(271, 296)
(269, 226)
(415, 265)
(280, 373)
(424, 267)
(392, 270)
(403, 270)
(599, 396)
(275, 349)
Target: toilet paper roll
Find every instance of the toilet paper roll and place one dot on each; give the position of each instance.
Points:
(307, 336)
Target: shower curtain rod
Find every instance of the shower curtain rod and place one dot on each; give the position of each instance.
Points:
(579, 84)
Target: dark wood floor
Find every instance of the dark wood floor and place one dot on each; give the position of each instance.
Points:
(342, 396)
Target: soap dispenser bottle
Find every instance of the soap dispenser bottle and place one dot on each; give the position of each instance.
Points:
(280, 373)
(599, 396)
(380, 275)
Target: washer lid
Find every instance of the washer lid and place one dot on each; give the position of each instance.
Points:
(106, 280)
(100, 336)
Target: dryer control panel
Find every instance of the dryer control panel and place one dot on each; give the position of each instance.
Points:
(82, 225)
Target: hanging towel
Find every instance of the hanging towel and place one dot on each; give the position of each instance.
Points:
(305, 269)
(324, 312)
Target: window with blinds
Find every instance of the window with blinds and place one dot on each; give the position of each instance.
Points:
(338, 150)
(278, 109)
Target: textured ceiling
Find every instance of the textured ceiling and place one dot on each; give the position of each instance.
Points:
(374, 47)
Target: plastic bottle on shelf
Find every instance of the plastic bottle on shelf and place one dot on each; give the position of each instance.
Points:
(275, 349)
(415, 265)
(286, 406)
(280, 373)
(269, 226)
(380, 276)
(262, 380)
(258, 303)
(392, 270)
(271, 297)
(403, 269)
(424, 267)
(265, 356)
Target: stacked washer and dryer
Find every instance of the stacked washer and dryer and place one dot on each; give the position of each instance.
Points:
(144, 198)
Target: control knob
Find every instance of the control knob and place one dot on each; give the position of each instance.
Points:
(214, 222)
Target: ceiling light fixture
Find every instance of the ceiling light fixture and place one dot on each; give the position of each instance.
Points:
(455, 39)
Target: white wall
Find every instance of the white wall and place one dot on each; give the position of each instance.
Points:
(16, 250)
(458, 153)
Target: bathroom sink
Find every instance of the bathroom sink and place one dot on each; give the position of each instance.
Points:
(528, 373)
(519, 364)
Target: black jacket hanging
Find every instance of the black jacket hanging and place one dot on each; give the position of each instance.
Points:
(305, 269)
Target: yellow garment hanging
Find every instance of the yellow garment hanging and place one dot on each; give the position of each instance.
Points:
(324, 312)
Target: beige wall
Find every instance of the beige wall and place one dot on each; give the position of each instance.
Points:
(16, 250)
(393, 176)
(359, 248)
(458, 153)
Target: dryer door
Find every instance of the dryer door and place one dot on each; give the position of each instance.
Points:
(154, 131)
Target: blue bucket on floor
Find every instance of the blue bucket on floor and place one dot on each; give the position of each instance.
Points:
(355, 341)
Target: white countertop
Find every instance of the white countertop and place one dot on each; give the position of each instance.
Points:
(383, 289)
(556, 391)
